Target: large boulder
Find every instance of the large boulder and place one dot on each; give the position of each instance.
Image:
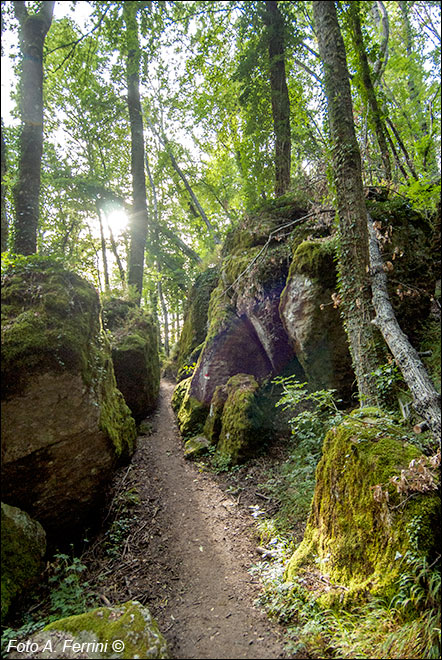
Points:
(312, 321)
(23, 549)
(245, 333)
(123, 631)
(135, 355)
(65, 425)
(374, 501)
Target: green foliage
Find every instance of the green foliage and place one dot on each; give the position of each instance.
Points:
(69, 591)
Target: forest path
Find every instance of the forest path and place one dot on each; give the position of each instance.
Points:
(196, 552)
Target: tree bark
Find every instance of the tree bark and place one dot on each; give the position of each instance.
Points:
(165, 318)
(4, 225)
(139, 217)
(33, 30)
(274, 21)
(426, 400)
(370, 93)
(353, 258)
(103, 252)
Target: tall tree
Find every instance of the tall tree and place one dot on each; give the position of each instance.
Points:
(352, 212)
(139, 217)
(368, 88)
(274, 22)
(33, 29)
(4, 225)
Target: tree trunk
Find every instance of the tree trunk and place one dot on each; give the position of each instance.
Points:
(280, 96)
(139, 218)
(165, 318)
(103, 252)
(165, 142)
(353, 258)
(4, 225)
(33, 31)
(426, 399)
(369, 88)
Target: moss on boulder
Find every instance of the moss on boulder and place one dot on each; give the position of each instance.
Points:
(65, 424)
(196, 446)
(357, 532)
(191, 413)
(194, 328)
(23, 542)
(241, 420)
(129, 626)
(213, 425)
(135, 356)
(311, 320)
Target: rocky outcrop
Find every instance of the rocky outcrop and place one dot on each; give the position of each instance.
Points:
(311, 319)
(23, 542)
(123, 631)
(194, 328)
(361, 525)
(65, 425)
(134, 343)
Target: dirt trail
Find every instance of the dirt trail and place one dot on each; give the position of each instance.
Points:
(196, 548)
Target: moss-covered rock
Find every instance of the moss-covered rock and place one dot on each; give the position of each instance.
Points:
(191, 415)
(124, 631)
(196, 446)
(194, 328)
(241, 420)
(65, 425)
(357, 532)
(23, 542)
(134, 342)
(311, 320)
(213, 425)
(180, 391)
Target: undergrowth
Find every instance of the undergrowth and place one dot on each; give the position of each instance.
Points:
(407, 625)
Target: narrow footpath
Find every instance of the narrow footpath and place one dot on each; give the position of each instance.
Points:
(191, 551)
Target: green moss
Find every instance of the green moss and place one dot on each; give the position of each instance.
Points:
(357, 540)
(241, 419)
(135, 354)
(213, 425)
(179, 393)
(130, 622)
(23, 545)
(191, 416)
(194, 328)
(51, 323)
(195, 447)
(315, 259)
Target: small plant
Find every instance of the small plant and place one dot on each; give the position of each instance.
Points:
(69, 594)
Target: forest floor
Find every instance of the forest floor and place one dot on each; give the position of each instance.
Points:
(187, 548)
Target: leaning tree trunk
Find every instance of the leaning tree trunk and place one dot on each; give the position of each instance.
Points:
(33, 31)
(4, 225)
(426, 399)
(139, 217)
(280, 95)
(353, 258)
(374, 110)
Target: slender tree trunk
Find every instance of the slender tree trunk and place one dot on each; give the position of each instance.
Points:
(280, 96)
(4, 225)
(115, 253)
(103, 252)
(370, 93)
(353, 261)
(165, 318)
(139, 218)
(165, 142)
(426, 399)
(33, 31)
